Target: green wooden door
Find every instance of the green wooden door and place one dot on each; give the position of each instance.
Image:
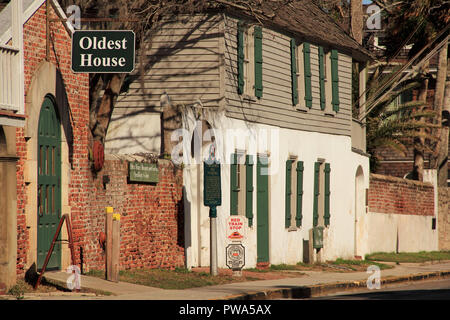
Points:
(262, 210)
(49, 184)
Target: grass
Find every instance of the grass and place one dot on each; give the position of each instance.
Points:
(359, 263)
(22, 287)
(180, 278)
(409, 257)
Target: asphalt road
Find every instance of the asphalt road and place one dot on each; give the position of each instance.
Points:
(420, 290)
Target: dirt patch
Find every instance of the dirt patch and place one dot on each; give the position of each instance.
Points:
(251, 275)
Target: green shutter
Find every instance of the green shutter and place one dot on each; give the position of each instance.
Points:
(241, 56)
(234, 190)
(316, 194)
(322, 78)
(335, 80)
(288, 192)
(298, 212)
(249, 189)
(307, 73)
(294, 84)
(258, 62)
(326, 214)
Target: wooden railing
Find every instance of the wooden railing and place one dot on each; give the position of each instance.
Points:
(9, 89)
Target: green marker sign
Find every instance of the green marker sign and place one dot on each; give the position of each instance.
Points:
(212, 191)
(99, 51)
(143, 172)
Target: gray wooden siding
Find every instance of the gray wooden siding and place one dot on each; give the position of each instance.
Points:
(184, 61)
(275, 107)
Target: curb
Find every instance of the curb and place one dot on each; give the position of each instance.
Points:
(302, 292)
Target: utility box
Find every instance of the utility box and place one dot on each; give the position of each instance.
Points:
(318, 237)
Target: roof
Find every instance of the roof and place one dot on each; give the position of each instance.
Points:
(307, 21)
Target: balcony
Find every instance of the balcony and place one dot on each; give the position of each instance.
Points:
(11, 69)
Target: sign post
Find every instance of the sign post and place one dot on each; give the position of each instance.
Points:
(212, 197)
(235, 252)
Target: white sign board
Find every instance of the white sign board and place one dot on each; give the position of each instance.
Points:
(236, 228)
(235, 256)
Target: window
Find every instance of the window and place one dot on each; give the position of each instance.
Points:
(334, 80)
(293, 193)
(322, 77)
(321, 204)
(297, 82)
(249, 44)
(307, 74)
(241, 185)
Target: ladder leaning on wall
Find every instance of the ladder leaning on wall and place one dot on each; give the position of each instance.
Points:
(66, 218)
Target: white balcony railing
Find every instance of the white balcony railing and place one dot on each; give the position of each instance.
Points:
(11, 64)
(9, 89)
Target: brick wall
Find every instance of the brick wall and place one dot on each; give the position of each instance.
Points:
(152, 221)
(77, 90)
(152, 215)
(400, 196)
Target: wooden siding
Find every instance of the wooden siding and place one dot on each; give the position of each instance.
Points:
(184, 61)
(275, 107)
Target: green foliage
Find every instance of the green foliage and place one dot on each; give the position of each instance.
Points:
(395, 125)
(409, 257)
(18, 290)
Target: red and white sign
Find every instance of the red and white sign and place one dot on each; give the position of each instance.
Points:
(236, 228)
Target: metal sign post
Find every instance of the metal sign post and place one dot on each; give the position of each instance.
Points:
(212, 197)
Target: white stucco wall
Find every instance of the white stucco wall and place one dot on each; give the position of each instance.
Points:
(284, 246)
(134, 133)
(402, 233)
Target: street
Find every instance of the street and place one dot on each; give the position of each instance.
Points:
(422, 290)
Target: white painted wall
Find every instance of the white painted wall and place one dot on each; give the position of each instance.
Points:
(384, 232)
(285, 246)
(130, 133)
(405, 233)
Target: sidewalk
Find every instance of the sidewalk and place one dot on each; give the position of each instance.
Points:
(310, 283)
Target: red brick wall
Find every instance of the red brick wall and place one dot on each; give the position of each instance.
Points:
(400, 196)
(77, 90)
(152, 221)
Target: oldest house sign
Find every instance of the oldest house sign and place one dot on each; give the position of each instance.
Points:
(102, 51)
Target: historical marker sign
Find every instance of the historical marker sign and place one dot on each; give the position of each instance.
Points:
(212, 190)
(235, 256)
(101, 51)
(143, 172)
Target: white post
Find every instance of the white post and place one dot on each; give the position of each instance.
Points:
(17, 70)
(213, 241)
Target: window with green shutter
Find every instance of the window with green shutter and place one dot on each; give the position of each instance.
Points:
(288, 193)
(335, 80)
(326, 213)
(322, 78)
(234, 185)
(294, 80)
(241, 57)
(258, 61)
(316, 194)
(307, 73)
(249, 189)
(298, 211)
